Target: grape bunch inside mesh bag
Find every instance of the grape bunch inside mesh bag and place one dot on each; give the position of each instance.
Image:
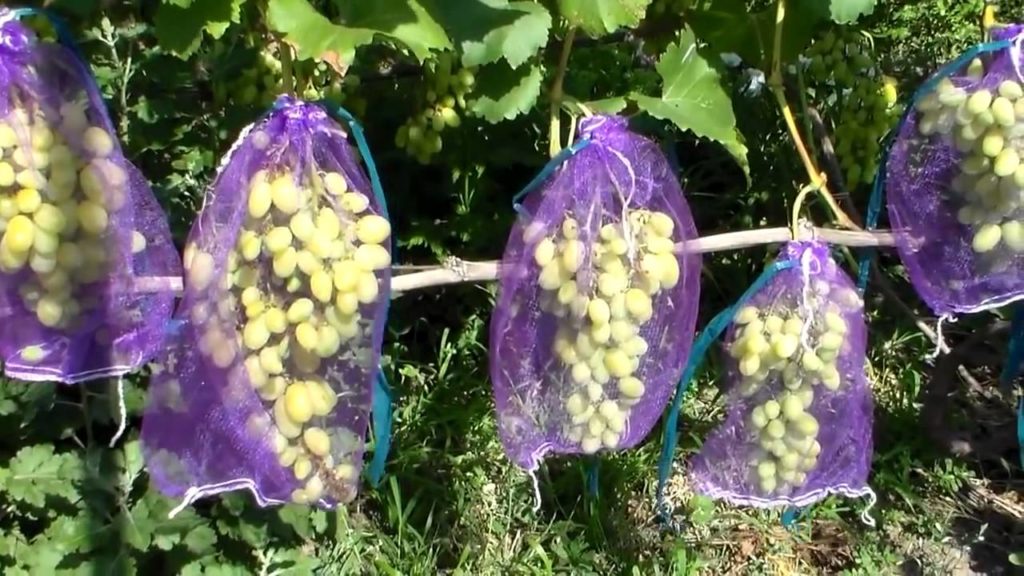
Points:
(799, 409)
(268, 382)
(955, 181)
(87, 266)
(597, 300)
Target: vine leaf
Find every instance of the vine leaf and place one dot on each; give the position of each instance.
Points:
(848, 11)
(504, 92)
(179, 24)
(693, 98)
(727, 26)
(489, 30)
(316, 37)
(599, 17)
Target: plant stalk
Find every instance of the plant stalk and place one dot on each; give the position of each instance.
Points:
(817, 178)
(287, 78)
(555, 127)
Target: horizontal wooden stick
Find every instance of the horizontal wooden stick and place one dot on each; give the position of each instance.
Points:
(457, 271)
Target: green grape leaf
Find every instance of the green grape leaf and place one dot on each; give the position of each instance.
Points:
(599, 17)
(316, 37)
(502, 93)
(847, 11)
(36, 473)
(693, 98)
(607, 105)
(489, 30)
(407, 21)
(180, 26)
(727, 26)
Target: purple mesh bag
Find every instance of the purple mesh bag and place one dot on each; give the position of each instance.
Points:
(955, 181)
(597, 300)
(799, 417)
(87, 267)
(267, 384)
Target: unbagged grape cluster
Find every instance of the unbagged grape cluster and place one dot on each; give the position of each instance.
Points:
(260, 83)
(602, 301)
(865, 100)
(303, 267)
(60, 183)
(986, 125)
(784, 344)
(445, 94)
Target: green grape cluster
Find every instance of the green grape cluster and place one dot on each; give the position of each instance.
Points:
(262, 81)
(598, 339)
(865, 100)
(986, 125)
(783, 344)
(445, 95)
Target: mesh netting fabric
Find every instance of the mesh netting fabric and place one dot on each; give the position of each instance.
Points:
(268, 382)
(798, 425)
(955, 181)
(87, 265)
(597, 301)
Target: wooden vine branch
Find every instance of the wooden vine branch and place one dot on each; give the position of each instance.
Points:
(458, 271)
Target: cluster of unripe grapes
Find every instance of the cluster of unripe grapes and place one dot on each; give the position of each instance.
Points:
(986, 126)
(301, 275)
(260, 83)
(602, 295)
(60, 184)
(445, 95)
(865, 100)
(784, 345)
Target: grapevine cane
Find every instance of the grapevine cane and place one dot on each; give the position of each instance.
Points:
(778, 90)
(555, 129)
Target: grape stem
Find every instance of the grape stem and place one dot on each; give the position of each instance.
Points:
(461, 271)
(795, 222)
(775, 82)
(287, 80)
(555, 127)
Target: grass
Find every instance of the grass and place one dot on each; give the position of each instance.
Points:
(452, 503)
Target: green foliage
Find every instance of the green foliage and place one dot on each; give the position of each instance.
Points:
(693, 98)
(600, 17)
(507, 92)
(180, 24)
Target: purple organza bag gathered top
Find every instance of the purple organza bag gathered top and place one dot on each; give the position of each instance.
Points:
(798, 425)
(597, 300)
(955, 181)
(267, 384)
(87, 266)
